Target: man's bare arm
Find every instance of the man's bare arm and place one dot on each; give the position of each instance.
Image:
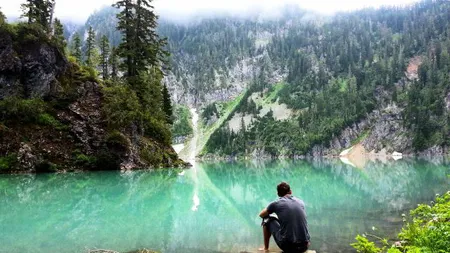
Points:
(264, 213)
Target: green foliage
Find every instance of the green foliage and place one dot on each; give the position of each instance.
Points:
(116, 137)
(425, 112)
(341, 70)
(48, 120)
(167, 105)
(39, 12)
(209, 111)
(141, 48)
(58, 34)
(24, 33)
(2, 18)
(182, 124)
(121, 106)
(84, 160)
(8, 162)
(428, 231)
(75, 50)
(104, 55)
(89, 74)
(365, 246)
(114, 64)
(24, 110)
(91, 54)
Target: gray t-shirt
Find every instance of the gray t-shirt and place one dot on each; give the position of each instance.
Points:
(292, 216)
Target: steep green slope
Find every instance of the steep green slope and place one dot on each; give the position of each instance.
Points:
(342, 75)
(57, 116)
(340, 71)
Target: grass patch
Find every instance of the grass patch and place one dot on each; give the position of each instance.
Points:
(361, 137)
(273, 93)
(226, 111)
(48, 120)
(24, 110)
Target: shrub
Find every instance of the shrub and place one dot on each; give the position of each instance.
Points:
(25, 110)
(116, 137)
(85, 160)
(121, 106)
(48, 120)
(428, 231)
(8, 162)
(30, 33)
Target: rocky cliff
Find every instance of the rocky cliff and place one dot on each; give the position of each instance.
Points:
(51, 114)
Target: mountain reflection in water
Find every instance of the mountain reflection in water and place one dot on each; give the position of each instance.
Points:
(154, 209)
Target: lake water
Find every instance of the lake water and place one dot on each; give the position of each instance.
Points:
(209, 208)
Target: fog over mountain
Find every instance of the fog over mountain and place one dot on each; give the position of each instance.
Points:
(179, 10)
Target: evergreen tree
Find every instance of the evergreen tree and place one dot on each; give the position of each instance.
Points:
(2, 17)
(148, 44)
(76, 48)
(142, 48)
(104, 55)
(126, 24)
(38, 11)
(58, 34)
(167, 105)
(141, 55)
(114, 64)
(90, 48)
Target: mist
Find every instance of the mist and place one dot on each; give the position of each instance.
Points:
(182, 11)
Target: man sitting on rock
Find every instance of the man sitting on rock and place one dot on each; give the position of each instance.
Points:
(289, 227)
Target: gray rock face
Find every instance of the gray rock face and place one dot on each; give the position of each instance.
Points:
(10, 65)
(385, 130)
(388, 132)
(84, 116)
(27, 160)
(34, 74)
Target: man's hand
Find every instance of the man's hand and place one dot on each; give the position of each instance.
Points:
(264, 213)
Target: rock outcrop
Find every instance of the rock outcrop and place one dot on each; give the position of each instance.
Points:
(380, 130)
(29, 69)
(52, 118)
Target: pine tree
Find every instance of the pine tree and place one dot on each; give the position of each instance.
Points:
(142, 48)
(167, 105)
(104, 55)
(114, 63)
(2, 17)
(149, 45)
(38, 11)
(76, 48)
(58, 34)
(126, 24)
(90, 47)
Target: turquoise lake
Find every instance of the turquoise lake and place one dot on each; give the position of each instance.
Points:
(211, 207)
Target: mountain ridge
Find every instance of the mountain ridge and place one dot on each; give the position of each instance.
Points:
(348, 58)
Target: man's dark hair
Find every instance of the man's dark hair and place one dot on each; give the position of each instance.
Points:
(283, 188)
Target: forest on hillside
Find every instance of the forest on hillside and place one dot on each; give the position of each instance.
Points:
(84, 103)
(330, 71)
(340, 70)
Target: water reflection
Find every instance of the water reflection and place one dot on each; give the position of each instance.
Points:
(126, 211)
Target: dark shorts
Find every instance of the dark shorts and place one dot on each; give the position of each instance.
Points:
(273, 225)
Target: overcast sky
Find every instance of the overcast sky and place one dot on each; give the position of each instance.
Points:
(79, 10)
